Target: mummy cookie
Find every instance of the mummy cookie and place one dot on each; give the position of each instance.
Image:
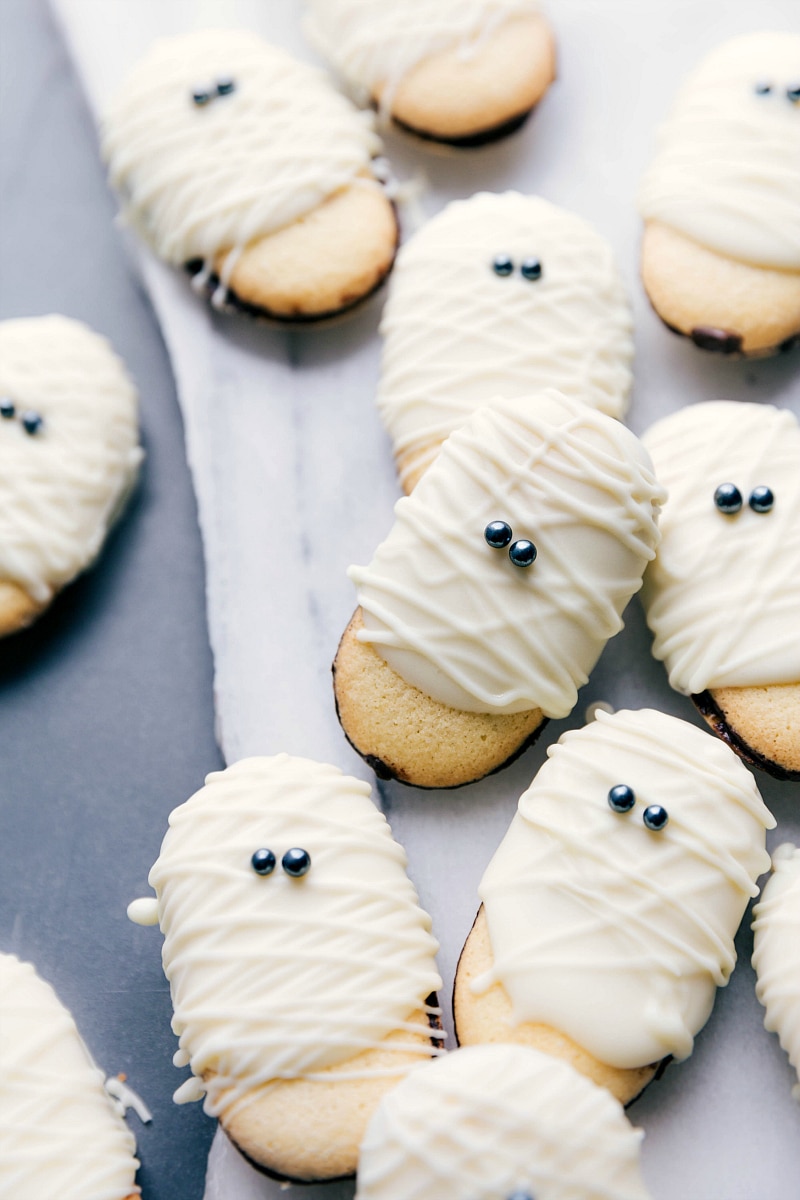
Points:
(69, 455)
(300, 964)
(498, 295)
(248, 168)
(62, 1134)
(448, 71)
(776, 952)
(723, 595)
(499, 1123)
(721, 201)
(505, 573)
(610, 908)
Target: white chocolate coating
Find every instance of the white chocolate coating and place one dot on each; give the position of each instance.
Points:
(62, 488)
(373, 44)
(457, 619)
(723, 594)
(488, 1121)
(727, 167)
(456, 334)
(278, 978)
(60, 1133)
(776, 952)
(197, 180)
(604, 930)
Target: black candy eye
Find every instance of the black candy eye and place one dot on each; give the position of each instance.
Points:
(793, 92)
(296, 862)
(31, 422)
(761, 499)
(531, 269)
(521, 1196)
(763, 88)
(655, 817)
(498, 534)
(263, 862)
(621, 798)
(502, 264)
(225, 85)
(522, 553)
(202, 95)
(7, 407)
(728, 498)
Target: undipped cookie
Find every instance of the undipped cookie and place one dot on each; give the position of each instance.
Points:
(776, 952)
(247, 167)
(610, 907)
(721, 201)
(449, 71)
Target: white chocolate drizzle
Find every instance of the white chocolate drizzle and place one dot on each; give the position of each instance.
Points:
(727, 167)
(723, 594)
(776, 952)
(200, 180)
(489, 1121)
(61, 488)
(613, 934)
(374, 44)
(275, 978)
(457, 619)
(61, 1133)
(456, 334)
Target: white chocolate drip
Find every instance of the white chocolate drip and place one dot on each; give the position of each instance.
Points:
(488, 1121)
(61, 1134)
(723, 594)
(615, 935)
(727, 168)
(776, 952)
(456, 618)
(279, 978)
(373, 44)
(199, 180)
(61, 488)
(456, 334)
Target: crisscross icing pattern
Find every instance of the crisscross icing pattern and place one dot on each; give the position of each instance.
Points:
(776, 952)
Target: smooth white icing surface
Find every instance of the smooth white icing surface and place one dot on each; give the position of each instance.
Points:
(488, 1121)
(200, 180)
(278, 978)
(373, 44)
(723, 594)
(727, 167)
(456, 618)
(60, 1135)
(456, 334)
(604, 930)
(776, 952)
(61, 488)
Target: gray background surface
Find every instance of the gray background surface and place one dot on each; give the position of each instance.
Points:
(106, 718)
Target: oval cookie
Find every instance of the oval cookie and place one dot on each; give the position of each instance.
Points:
(721, 200)
(461, 646)
(300, 964)
(247, 167)
(610, 907)
(69, 456)
(776, 952)
(498, 295)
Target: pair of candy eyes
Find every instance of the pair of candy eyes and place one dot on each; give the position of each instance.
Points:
(728, 499)
(763, 88)
(622, 798)
(206, 92)
(498, 535)
(295, 862)
(31, 421)
(530, 268)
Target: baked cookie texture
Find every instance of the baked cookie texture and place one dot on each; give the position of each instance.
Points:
(69, 457)
(63, 1135)
(721, 201)
(300, 964)
(234, 160)
(456, 654)
(606, 931)
(498, 295)
(776, 952)
(722, 595)
(499, 1121)
(451, 72)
